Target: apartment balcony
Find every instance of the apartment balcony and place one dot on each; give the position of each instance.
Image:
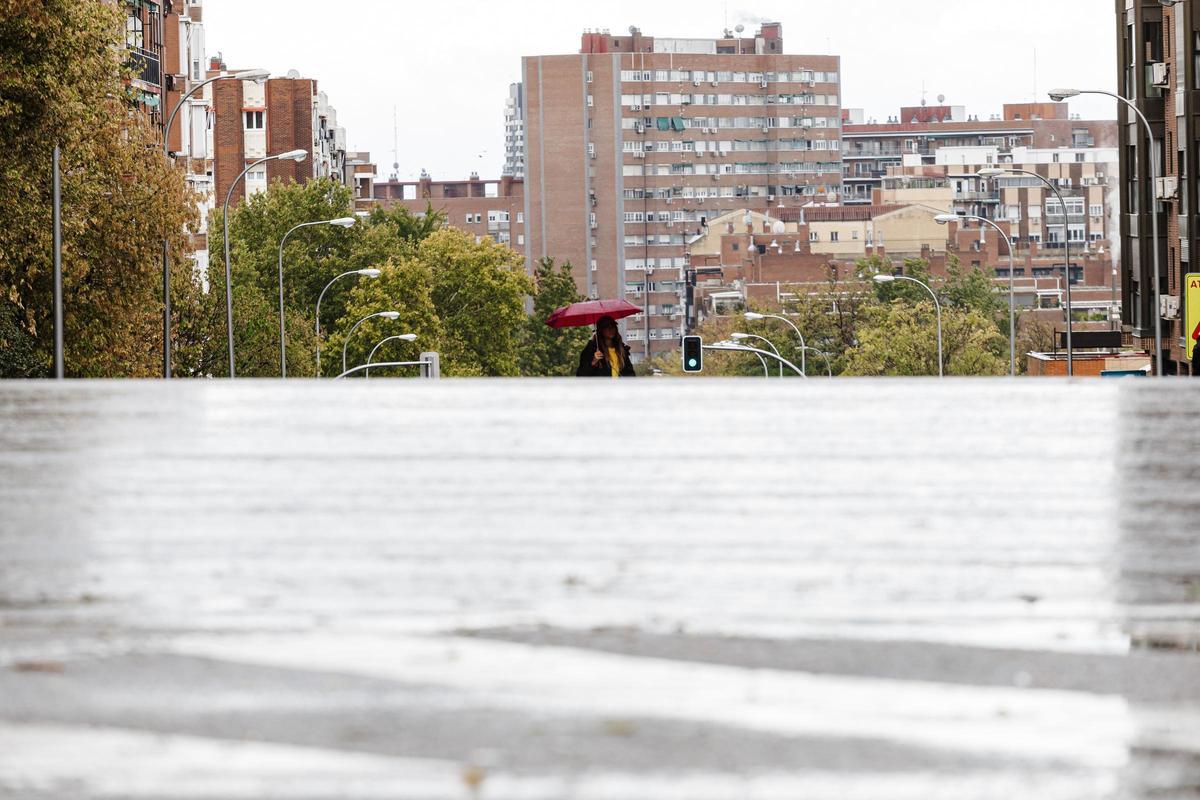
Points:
(146, 66)
(977, 197)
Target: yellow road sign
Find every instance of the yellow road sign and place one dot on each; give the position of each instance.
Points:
(1191, 314)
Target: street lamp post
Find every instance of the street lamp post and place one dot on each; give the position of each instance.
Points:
(1058, 95)
(937, 305)
(942, 219)
(733, 347)
(404, 337)
(739, 336)
(992, 172)
(369, 273)
(342, 222)
(294, 155)
(753, 315)
(258, 75)
(823, 354)
(729, 344)
(391, 315)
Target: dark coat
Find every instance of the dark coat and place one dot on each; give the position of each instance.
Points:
(586, 370)
(1196, 360)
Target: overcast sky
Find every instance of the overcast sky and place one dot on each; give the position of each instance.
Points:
(446, 65)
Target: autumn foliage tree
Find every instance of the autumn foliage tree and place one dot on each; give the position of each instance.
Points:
(64, 81)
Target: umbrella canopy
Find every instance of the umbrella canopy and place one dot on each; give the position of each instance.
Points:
(588, 312)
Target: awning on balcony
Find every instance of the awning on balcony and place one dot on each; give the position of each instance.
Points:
(677, 123)
(664, 123)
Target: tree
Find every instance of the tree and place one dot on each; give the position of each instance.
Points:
(900, 338)
(479, 292)
(546, 351)
(313, 256)
(464, 299)
(65, 83)
(404, 285)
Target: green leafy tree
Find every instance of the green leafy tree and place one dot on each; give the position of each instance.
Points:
(64, 82)
(313, 256)
(900, 338)
(546, 351)
(404, 285)
(479, 291)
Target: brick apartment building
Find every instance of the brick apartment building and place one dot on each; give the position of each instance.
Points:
(1158, 68)
(493, 209)
(635, 138)
(252, 120)
(914, 137)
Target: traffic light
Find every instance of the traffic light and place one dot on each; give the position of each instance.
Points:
(693, 354)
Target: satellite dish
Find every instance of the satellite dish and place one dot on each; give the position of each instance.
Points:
(293, 73)
(739, 28)
(632, 30)
(941, 99)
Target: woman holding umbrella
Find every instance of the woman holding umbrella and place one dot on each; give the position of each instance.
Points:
(606, 354)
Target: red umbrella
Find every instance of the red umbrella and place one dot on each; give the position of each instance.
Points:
(588, 312)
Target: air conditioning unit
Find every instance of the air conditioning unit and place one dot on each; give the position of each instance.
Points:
(770, 198)
(638, 128)
(669, 201)
(670, 224)
(695, 83)
(716, 176)
(1160, 76)
(1170, 306)
(714, 83)
(1166, 188)
(595, 225)
(700, 200)
(635, 108)
(762, 84)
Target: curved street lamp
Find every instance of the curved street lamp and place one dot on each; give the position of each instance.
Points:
(823, 354)
(391, 315)
(367, 273)
(258, 75)
(942, 219)
(993, 172)
(404, 337)
(293, 155)
(1058, 95)
(741, 336)
(731, 345)
(937, 305)
(754, 315)
(341, 222)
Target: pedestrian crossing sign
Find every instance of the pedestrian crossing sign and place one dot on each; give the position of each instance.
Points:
(1191, 314)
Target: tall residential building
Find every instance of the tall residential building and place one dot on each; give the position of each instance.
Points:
(514, 132)
(634, 142)
(913, 138)
(252, 120)
(1158, 68)
(146, 26)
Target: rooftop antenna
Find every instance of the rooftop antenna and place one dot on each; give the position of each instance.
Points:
(1035, 94)
(395, 145)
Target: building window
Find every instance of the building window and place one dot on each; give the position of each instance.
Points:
(253, 120)
(833, 236)
(520, 217)
(520, 239)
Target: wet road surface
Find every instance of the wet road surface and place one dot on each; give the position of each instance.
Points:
(692, 589)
